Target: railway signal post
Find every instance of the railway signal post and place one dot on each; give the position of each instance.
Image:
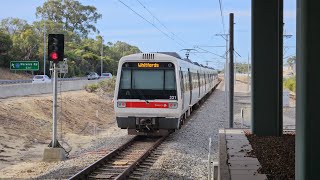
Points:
(55, 54)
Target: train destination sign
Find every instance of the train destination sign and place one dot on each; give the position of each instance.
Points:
(148, 65)
(24, 65)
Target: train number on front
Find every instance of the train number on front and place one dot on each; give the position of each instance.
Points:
(173, 97)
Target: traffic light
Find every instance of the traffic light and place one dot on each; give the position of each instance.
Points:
(56, 47)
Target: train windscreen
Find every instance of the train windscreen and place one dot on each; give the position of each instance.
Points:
(147, 81)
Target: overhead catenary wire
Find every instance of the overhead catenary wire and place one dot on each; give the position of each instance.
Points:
(164, 33)
(165, 30)
(160, 22)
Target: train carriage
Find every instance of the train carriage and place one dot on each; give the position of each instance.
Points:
(155, 91)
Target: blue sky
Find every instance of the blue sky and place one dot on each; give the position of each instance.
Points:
(196, 22)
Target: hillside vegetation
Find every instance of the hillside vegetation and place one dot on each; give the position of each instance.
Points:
(6, 74)
(21, 40)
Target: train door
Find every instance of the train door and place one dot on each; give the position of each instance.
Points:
(190, 85)
(199, 84)
(182, 88)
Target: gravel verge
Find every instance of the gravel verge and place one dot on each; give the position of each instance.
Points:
(105, 142)
(185, 152)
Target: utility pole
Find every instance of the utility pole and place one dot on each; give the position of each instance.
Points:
(231, 70)
(248, 73)
(44, 48)
(225, 37)
(101, 55)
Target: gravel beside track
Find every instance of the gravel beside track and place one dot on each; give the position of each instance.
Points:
(82, 159)
(185, 152)
(184, 155)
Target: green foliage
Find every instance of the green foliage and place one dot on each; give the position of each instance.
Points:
(74, 16)
(22, 41)
(241, 67)
(91, 88)
(290, 84)
(291, 61)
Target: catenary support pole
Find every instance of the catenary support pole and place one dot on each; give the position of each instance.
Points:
(267, 24)
(231, 70)
(308, 91)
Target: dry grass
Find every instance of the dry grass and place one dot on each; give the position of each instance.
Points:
(26, 122)
(6, 74)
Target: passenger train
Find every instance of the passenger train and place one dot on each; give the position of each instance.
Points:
(155, 92)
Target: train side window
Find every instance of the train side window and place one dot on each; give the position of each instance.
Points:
(181, 81)
(170, 83)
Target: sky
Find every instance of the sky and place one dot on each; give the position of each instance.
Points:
(190, 23)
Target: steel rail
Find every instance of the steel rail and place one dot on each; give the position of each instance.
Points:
(84, 174)
(134, 165)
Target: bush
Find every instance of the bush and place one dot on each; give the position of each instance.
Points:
(105, 85)
(91, 87)
(290, 84)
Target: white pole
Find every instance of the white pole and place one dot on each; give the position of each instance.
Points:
(209, 160)
(101, 55)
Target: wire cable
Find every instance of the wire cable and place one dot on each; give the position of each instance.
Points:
(150, 23)
(160, 22)
(221, 14)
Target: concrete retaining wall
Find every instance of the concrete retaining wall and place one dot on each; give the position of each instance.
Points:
(15, 90)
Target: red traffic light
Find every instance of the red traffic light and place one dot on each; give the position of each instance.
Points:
(54, 56)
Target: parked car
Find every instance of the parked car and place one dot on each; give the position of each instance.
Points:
(93, 75)
(41, 79)
(106, 75)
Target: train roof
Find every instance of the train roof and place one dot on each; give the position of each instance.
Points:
(174, 54)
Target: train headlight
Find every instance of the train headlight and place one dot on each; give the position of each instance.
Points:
(121, 104)
(173, 105)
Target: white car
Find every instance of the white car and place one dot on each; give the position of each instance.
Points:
(41, 79)
(106, 75)
(93, 75)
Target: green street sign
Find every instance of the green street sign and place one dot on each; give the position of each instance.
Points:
(24, 65)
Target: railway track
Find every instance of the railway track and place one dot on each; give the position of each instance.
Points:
(130, 161)
(120, 163)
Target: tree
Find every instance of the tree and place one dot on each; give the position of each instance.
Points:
(291, 61)
(5, 43)
(12, 26)
(5, 46)
(74, 16)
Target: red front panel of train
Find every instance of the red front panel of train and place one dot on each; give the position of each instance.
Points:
(147, 105)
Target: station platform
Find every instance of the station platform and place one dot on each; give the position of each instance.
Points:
(235, 161)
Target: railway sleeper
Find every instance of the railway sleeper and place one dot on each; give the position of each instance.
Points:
(137, 173)
(141, 169)
(134, 177)
(111, 169)
(147, 163)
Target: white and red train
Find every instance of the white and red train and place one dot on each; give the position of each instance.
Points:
(155, 92)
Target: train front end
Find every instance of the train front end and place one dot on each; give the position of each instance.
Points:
(146, 96)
